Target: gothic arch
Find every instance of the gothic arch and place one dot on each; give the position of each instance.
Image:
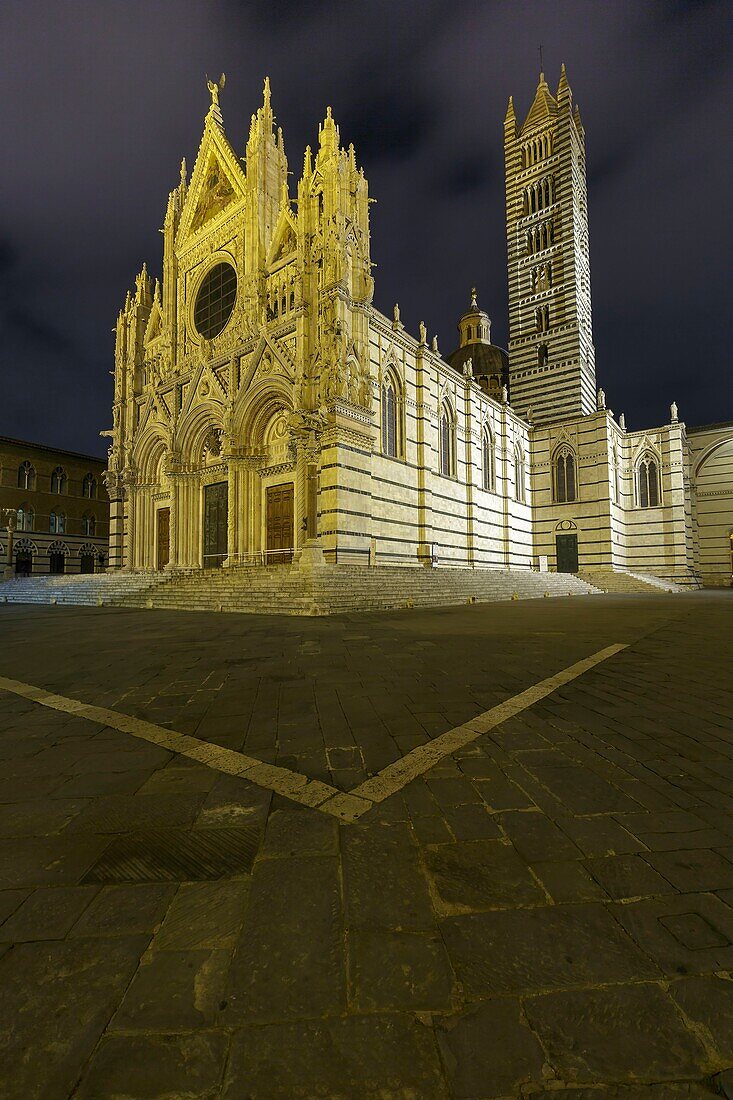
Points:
(192, 432)
(488, 458)
(447, 438)
(147, 453)
(647, 479)
(257, 408)
(520, 474)
(392, 409)
(564, 474)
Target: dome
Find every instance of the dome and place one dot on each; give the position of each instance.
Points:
(490, 364)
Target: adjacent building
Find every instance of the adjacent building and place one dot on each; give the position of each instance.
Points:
(59, 507)
(263, 406)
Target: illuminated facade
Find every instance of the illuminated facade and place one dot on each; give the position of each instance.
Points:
(265, 411)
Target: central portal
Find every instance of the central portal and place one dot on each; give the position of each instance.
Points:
(216, 501)
(279, 524)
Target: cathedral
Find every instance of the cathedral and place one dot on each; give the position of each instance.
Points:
(265, 412)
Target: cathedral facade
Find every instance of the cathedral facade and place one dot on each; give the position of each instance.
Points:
(266, 412)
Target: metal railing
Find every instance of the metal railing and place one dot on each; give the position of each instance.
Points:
(282, 556)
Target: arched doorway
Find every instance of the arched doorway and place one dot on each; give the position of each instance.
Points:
(24, 551)
(23, 563)
(57, 554)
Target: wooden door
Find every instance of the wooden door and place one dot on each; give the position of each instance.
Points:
(567, 553)
(87, 563)
(216, 514)
(164, 537)
(279, 524)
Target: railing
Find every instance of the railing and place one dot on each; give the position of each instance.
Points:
(283, 555)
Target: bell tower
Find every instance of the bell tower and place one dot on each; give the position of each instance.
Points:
(551, 354)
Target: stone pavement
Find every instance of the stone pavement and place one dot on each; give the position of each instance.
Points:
(548, 911)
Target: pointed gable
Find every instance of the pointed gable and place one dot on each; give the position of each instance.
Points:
(217, 180)
(155, 324)
(215, 195)
(284, 241)
(543, 108)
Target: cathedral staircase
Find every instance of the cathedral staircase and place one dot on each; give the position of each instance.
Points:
(325, 590)
(334, 589)
(79, 589)
(625, 582)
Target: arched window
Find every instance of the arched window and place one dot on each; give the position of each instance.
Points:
(26, 476)
(390, 417)
(564, 473)
(26, 518)
(542, 355)
(52, 523)
(518, 475)
(57, 525)
(88, 525)
(58, 480)
(89, 486)
(487, 456)
(447, 441)
(647, 481)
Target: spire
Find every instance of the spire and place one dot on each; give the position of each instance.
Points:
(544, 105)
(328, 133)
(563, 85)
(510, 120)
(474, 303)
(307, 162)
(265, 112)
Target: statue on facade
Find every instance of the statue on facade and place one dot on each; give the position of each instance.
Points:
(601, 400)
(214, 88)
(423, 333)
(673, 412)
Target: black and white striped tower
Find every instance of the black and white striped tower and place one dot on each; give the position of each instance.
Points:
(551, 355)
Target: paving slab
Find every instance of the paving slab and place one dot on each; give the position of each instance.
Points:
(517, 920)
(372, 1057)
(616, 1034)
(57, 999)
(148, 1067)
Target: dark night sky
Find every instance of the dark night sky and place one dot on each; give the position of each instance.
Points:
(101, 99)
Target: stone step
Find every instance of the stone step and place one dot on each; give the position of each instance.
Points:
(627, 582)
(288, 590)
